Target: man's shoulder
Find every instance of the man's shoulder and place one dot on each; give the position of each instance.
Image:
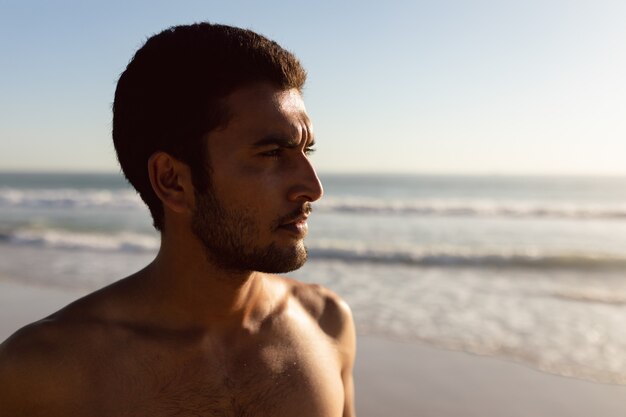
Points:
(51, 358)
(66, 330)
(328, 309)
(333, 316)
(39, 364)
(57, 338)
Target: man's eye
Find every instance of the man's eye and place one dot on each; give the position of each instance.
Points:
(309, 151)
(273, 153)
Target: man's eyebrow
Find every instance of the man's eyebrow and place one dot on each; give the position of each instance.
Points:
(282, 141)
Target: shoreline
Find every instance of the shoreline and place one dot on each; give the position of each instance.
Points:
(404, 378)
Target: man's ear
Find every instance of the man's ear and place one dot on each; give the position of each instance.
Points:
(171, 181)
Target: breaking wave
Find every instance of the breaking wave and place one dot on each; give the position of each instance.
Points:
(471, 208)
(127, 199)
(61, 239)
(339, 251)
(69, 198)
(457, 257)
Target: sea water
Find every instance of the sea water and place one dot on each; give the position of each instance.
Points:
(531, 269)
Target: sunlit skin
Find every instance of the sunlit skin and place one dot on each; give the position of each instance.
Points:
(191, 335)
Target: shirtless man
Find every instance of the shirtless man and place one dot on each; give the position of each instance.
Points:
(210, 128)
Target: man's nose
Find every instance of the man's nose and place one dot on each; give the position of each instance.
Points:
(306, 185)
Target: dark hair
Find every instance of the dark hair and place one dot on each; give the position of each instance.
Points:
(171, 95)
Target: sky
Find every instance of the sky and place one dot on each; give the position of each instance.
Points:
(460, 87)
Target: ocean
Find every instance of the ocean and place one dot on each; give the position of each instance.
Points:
(532, 269)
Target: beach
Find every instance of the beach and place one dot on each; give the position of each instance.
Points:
(403, 379)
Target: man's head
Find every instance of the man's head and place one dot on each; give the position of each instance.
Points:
(172, 94)
(253, 215)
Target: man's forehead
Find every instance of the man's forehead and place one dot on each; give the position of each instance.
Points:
(263, 109)
(291, 101)
(265, 98)
(263, 113)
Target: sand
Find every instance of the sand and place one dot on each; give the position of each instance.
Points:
(406, 379)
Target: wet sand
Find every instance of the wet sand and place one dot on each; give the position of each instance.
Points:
(408, 380)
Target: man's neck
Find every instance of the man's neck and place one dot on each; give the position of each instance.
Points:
(192, 291)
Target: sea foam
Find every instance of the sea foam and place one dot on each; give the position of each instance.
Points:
(62, 239)
(471, 208)
(128, 199)
(69, 198)
(345, 251)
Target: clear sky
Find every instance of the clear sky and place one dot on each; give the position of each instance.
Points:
(467, 86)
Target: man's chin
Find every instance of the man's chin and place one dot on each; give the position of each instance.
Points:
(281, 261)
(272, 260)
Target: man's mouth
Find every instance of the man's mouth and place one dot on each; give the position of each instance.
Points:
(298, 227)
(296, 223)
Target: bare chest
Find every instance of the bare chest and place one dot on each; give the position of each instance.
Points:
(292, 379)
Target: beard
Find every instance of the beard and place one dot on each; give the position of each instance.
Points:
(231, 237)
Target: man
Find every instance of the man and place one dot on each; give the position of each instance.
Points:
(210, 128)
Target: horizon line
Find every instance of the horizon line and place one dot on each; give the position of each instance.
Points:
(347, 173)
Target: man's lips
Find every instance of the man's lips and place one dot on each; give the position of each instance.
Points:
(297, 219)
(297, 226)
(296, 222)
